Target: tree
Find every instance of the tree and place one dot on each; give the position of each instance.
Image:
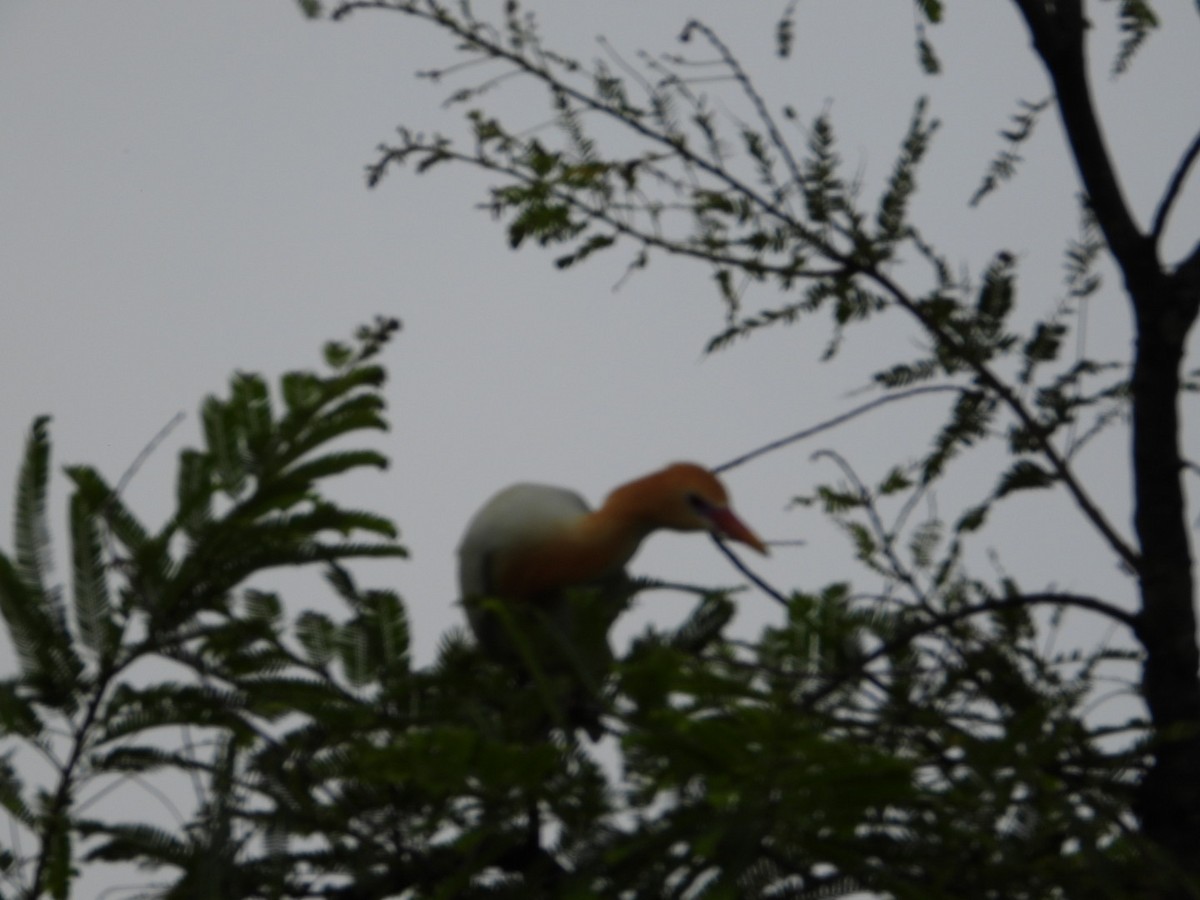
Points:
(918, 738)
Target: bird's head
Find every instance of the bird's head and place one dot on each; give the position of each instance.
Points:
(683, 497)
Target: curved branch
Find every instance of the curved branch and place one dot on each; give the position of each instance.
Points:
(766, 588)
(1173, 189)
(1058, 32)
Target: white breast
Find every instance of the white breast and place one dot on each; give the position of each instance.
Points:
(517, 516)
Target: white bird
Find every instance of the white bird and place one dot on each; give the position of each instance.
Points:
(530, 542)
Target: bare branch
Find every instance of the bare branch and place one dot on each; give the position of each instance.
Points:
(766, 588)
(835, 421)
(1059, 33)
(1173, 189)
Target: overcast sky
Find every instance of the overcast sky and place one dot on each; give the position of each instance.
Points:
(182, 196)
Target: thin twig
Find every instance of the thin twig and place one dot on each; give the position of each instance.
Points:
(745, 570)
(755, 98)
(146, 452)
(835, 421)
(887, 540)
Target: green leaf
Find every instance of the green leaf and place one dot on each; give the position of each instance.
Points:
(137, 710)
(56, 855)
(263, 606)
(359, 413)
(250, 401)
(110, 507)
(1021, 476)
(891, 217)
(931, 10)
(338, 355)
(94, 620)
(996, 295)
(838, 501)
(824, 191)
(30, 527)
(924, 542)
(865, 545)
(318, 636)
(32, 611)
(18, 604)
(1044, 344)
(122, 842)
(17, 714)
(906, 374)
(969, 421)
(354, 650)
(1004, 166)
(927, 56)
(225, 446)
(1137, 19)
(897, 480)
(972, 519)
(312, 470)
(705, 624)
(195, 486)
(12, 797)
(389, 621)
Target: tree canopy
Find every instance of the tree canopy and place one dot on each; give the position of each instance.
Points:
(912, 730)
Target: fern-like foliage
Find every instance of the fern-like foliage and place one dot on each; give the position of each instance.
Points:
(250, 500)
(1003, 167)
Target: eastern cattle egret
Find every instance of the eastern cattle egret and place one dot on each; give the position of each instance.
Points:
(532, 546)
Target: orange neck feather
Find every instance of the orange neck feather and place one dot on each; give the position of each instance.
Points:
(586, 550)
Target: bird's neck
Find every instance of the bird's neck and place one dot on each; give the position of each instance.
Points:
(610, 536)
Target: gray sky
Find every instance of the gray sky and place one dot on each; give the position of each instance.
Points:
(183, 196)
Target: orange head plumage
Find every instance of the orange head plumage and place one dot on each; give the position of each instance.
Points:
(681, 497)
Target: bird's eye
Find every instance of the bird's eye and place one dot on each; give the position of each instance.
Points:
(699, 504)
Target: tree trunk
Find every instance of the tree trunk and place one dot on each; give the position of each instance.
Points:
(1165, 305)
(1168, 800)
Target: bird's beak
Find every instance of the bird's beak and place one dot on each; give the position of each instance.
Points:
(729, 526)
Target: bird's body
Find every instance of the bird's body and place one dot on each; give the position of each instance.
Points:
(531, 541)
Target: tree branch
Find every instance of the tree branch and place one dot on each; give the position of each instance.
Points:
(834, 422)
(993, 382)
(1173, 189)
(766, 588)
(1058, 34)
